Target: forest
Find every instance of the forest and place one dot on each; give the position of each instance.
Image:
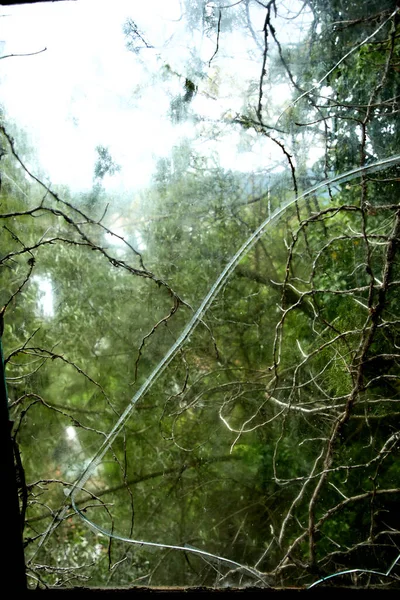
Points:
(203, 367)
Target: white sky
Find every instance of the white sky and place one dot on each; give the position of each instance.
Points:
(78, 93)
(86, 89)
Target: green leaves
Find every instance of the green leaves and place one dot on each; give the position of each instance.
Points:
(271, 438)
(104, 164)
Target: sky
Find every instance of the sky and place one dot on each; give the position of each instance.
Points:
(78, 93)
(81, 87)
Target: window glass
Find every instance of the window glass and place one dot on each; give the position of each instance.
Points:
(200, 288)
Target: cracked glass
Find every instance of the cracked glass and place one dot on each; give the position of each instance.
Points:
(200, 287)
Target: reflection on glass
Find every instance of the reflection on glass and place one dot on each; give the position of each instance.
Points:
(200, 281)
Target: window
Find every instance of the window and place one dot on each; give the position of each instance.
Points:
(200, 291)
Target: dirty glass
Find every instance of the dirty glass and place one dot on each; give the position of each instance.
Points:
(200, 289)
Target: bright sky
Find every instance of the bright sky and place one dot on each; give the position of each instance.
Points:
(79, 92)
(86, 89)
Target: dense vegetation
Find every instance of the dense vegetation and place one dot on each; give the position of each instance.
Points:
(266, 448)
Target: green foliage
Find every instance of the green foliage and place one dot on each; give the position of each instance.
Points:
(104, 164)
(271, 437)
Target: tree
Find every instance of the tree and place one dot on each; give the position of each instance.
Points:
(228, 416)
